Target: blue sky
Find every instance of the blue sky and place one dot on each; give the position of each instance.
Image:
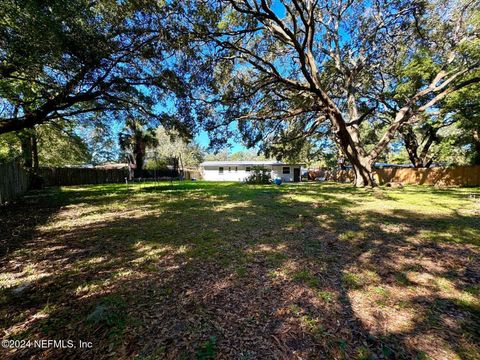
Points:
(202, 139)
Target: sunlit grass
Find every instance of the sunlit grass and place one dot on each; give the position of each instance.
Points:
(309, 258)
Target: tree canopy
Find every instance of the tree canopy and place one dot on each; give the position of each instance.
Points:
(64, 60)
(291, 66)
(298, 78)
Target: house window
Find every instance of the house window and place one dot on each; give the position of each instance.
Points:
(220, 170)
(236, 168)
(286, 169)
(247, 168)
(229, 169)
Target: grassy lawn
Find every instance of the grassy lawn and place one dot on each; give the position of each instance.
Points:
(222, 270)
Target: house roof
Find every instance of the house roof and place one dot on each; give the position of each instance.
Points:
(247, 162)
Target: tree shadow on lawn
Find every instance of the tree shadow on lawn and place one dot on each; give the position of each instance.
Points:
(266, 274)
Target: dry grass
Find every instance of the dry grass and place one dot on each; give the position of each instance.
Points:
(221, 270)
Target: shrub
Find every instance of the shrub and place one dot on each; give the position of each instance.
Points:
(259, 175)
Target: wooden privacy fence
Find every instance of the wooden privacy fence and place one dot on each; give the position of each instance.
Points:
(81, 176)
(438, 176)
(451, 176)
(14, 180)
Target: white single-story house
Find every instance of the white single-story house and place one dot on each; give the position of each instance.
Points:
(240, 170)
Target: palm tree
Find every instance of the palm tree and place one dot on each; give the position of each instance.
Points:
(134, 140)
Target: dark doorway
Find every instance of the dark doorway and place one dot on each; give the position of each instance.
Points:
(296, 174)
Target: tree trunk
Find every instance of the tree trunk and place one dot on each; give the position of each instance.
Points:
(28, 141)
(131, 165)
(139, 156)
(361, 164)
(139, 165)
(34, 147)
(411, 145)
(26, 145)
(363, 172)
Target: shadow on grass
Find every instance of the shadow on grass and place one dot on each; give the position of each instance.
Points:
(267, 271)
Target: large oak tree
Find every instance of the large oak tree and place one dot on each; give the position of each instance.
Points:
(296, 64)
(71, 59)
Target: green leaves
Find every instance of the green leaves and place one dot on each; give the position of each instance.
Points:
(62, 60)
(415, 73)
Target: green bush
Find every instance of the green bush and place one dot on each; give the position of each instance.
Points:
(259, 175)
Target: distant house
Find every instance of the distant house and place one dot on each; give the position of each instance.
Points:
(240, 170)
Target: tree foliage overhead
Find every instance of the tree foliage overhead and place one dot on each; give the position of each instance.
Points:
(290, 66)
(69, 59)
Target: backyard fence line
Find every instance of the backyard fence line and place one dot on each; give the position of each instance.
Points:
(14, 180)
(86, 176)
(437, 176)
(81, 176)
